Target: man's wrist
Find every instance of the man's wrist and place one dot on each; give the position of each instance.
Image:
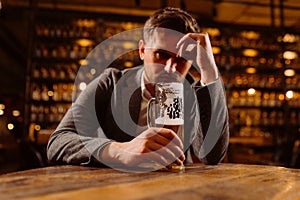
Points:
(110, 154)
(203, 84)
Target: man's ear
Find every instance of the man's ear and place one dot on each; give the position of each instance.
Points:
(141, 49)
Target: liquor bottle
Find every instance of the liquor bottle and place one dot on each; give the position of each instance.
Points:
(36, 92)
(44, 93)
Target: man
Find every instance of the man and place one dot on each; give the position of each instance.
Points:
(107, 123)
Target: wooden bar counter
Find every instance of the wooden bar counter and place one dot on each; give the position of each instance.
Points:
(223, 181)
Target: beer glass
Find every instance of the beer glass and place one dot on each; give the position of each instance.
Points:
(166, 109)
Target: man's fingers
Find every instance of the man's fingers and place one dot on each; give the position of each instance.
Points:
(156, 157)
(167, 144)
(168, 134)
(182, 40)
(172, 144)
(168, 150)
(166, 137)
(192, 38)
(167, 155)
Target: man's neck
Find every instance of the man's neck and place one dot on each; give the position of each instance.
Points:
(149, 86)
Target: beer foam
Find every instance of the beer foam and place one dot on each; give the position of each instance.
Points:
(168, 121)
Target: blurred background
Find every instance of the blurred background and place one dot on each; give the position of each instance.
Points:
(43, 43)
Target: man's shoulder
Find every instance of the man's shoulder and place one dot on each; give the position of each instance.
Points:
(112, 70)
(128, 76)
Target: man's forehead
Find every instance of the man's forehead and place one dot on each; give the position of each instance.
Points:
(164, 40)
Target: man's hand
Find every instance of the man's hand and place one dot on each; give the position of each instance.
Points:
(159, 145)
(199, 46)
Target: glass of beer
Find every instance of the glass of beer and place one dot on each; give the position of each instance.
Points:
(166, 110)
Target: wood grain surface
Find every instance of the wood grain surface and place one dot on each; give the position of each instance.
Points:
(223, 181)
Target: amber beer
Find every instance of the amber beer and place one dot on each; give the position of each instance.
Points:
(177, 127)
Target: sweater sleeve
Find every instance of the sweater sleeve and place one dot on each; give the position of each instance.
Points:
(79, 138)
(212, 136)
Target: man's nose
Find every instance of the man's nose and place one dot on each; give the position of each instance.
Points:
(170, 66)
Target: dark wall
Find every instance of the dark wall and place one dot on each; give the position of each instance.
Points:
(13, 51)
(13, 62)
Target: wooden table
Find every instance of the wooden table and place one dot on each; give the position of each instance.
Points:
(223, 181)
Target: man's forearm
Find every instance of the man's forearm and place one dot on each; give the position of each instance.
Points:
(211, 145)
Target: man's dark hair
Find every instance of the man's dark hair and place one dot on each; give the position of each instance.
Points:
(171, 18)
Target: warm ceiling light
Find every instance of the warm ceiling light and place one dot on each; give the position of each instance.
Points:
(130, 25)
(128, 64)
(1, 112)
(289, 94)
(84, 42)
(93, 71)
(50, 93)
(250, 35)
(289, 38)
(213, 32)
(216, 50)
(16, 113)
(129, 45)
(86, 23)
(251, 91)
(37, 127)
(289, 72)
(2, 106)
(10, 126)
(127, 25)
(290, 55)
(83, 62)
(281, 97)
(250, 52)
(82, 86)
(251, 70)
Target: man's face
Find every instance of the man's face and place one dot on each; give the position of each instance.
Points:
(161, 62)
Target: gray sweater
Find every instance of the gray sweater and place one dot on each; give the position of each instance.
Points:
(108, 110)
